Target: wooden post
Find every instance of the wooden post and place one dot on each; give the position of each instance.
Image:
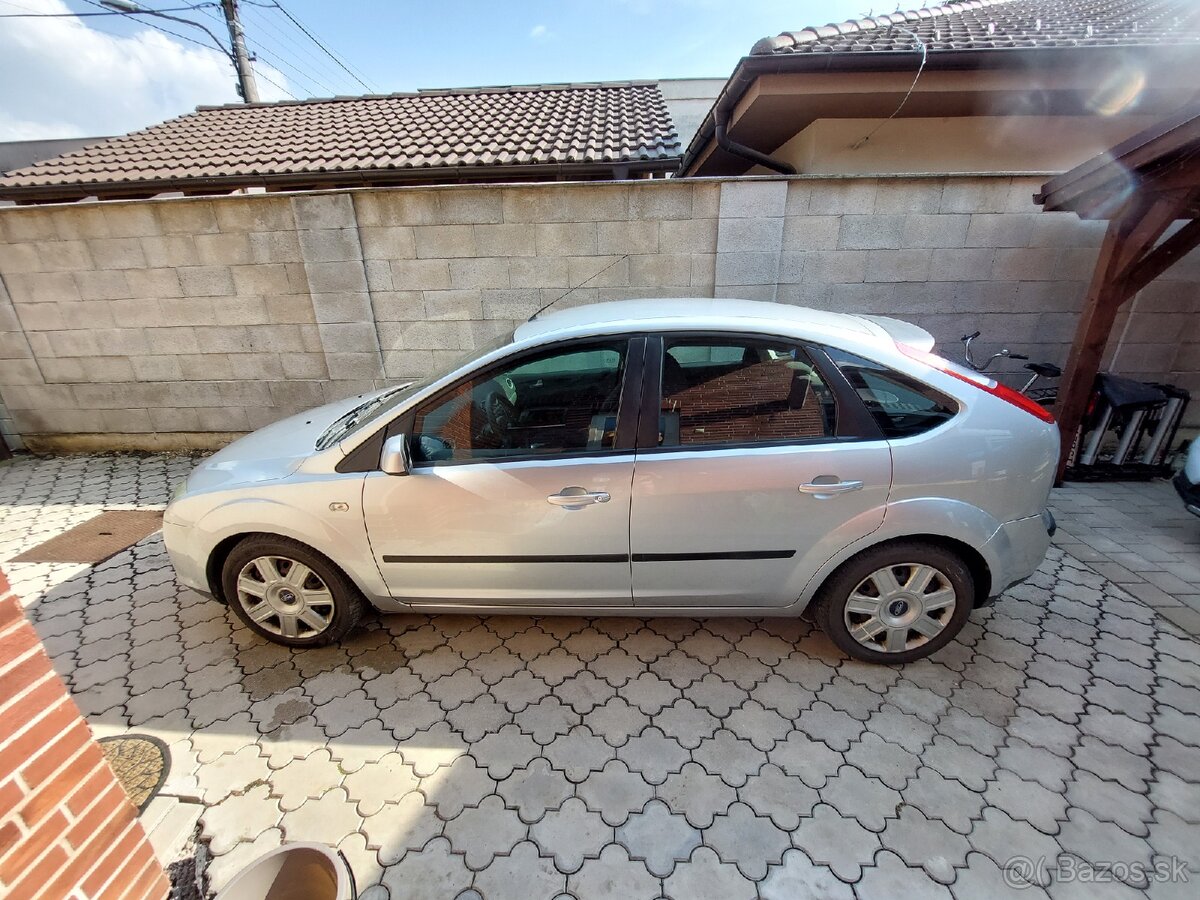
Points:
(1104, 298)
(1128, 260)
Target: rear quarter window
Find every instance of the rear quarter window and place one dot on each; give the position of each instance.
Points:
(901, 405)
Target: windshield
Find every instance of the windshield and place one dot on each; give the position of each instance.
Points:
(378, 407)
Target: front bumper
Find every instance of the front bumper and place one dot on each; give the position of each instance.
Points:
(188, 561)
(1188, 492)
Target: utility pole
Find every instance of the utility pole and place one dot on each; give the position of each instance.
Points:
(240, 58)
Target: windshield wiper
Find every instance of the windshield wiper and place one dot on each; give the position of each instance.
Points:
(349, 421)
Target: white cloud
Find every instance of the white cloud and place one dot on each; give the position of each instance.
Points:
(60, 78)
(540, 33)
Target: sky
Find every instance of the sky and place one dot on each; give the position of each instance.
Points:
(68, 76)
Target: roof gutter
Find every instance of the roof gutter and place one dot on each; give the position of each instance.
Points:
(283, 181)
(729, 145)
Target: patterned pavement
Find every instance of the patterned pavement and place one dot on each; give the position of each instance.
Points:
(466, 757)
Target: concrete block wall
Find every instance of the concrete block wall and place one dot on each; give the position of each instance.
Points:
(954, 255)
(181, 322)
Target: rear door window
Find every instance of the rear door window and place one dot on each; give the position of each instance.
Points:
(742, 390)
(900, 405)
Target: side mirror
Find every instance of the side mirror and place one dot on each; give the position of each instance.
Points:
(395, 458)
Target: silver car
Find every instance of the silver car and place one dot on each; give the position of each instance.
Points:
(657, 457)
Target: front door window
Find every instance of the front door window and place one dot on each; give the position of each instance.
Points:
(553, 402)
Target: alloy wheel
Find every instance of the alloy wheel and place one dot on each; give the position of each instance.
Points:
(900, 607)
(285, 597)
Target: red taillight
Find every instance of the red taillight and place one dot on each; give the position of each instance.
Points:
(985, 384)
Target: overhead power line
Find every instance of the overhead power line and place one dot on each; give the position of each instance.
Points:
(84, 15)
(312, 37)
(269, 80)
(316, 66)
(216, 45)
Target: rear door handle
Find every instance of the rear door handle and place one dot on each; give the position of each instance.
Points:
(577, 498)
(833, 487)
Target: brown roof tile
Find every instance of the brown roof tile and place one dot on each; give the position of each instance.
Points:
(565, 125)
(1001, 24)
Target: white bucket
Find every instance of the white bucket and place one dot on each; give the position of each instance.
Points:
(299, 871)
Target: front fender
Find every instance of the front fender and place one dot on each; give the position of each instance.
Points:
(939, 517)
(305, 517)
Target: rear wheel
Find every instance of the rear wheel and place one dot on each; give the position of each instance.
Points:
(896, 603)
(289, 593)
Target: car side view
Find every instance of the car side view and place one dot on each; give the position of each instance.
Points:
(655, 457)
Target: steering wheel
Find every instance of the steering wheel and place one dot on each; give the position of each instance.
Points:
(500, 415)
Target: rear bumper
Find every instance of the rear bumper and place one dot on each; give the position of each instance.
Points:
(1188, 492)
(1017, 548)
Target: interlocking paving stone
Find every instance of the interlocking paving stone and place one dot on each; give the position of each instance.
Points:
(613, 874)
(570, 834)
(523, 873)
(659, 838)
(1101, 842)
(705, 875)
(890, 877)
(615, 792)
(799, 877)
(696, 794)
(463, 756)
(924, 842)
(784, 799)
(837, 841)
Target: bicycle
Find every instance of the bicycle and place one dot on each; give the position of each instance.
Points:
(1046, 396)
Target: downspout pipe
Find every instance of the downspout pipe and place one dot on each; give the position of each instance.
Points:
(729, 145)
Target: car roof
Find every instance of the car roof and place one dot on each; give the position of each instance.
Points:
(697, 312)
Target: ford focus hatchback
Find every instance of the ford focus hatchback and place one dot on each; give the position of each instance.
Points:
(656, 457)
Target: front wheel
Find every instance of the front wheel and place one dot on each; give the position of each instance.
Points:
(289, 593)
(896, 603)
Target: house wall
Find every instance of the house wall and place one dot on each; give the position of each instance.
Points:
(182, 322)
(961, 144)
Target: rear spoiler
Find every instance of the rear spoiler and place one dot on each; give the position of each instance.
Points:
(903, 332)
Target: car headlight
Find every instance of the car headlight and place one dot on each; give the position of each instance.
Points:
(180, 490)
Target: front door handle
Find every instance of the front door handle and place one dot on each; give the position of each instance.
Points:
(830, 488)
(577, 498)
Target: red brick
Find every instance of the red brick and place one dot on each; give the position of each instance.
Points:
(9, 835)
(16, 642)
(75, 745)
(15, 714)
(37, 842)
(10, 794)
(112, 802)
(87, 792)
(91, 852)
(50, 795)
(23, 674)
(118, 869)
(29, 744)
(151, 883)
(32, 879)
(10, 610)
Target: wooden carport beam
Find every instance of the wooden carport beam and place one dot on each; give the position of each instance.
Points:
(1130, 258)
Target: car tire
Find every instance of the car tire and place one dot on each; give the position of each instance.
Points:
(289, 593)
(888, 604)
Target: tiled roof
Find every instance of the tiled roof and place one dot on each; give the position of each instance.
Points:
(570, 126)
(1002, 24)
